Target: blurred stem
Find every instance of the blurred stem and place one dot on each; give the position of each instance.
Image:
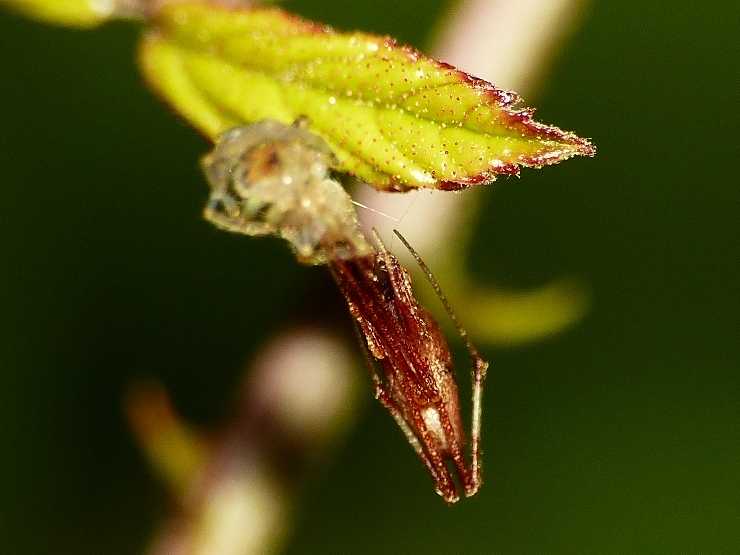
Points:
(298, 397)
(72, 13)
(91, 13)
(511, 43)
(172, 448)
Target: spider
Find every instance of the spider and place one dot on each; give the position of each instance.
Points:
(273, 179)
(411, 365)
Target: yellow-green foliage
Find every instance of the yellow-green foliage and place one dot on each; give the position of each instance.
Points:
(74, 13)
(393, 117)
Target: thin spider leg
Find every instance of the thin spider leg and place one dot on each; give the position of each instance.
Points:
(235, 225)
(388, 259)
(480, 370)
(479, 377)
(379, 242)
(371, 366)
(472, 350)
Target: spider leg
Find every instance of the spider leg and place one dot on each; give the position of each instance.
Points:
(480, 369)
(224, 212)
(479, 372)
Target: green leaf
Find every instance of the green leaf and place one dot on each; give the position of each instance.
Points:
(393, 117)
(73, 13)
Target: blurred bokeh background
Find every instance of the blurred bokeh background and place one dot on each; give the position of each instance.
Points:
(619, 435)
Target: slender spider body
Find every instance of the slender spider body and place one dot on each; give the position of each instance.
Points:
(412, 367)
(273, 179)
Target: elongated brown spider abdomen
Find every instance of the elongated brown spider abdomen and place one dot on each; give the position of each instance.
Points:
(415, 382)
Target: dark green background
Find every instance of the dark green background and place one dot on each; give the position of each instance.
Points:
(620, 436)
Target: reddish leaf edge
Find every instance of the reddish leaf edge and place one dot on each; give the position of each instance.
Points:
(521, 117)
